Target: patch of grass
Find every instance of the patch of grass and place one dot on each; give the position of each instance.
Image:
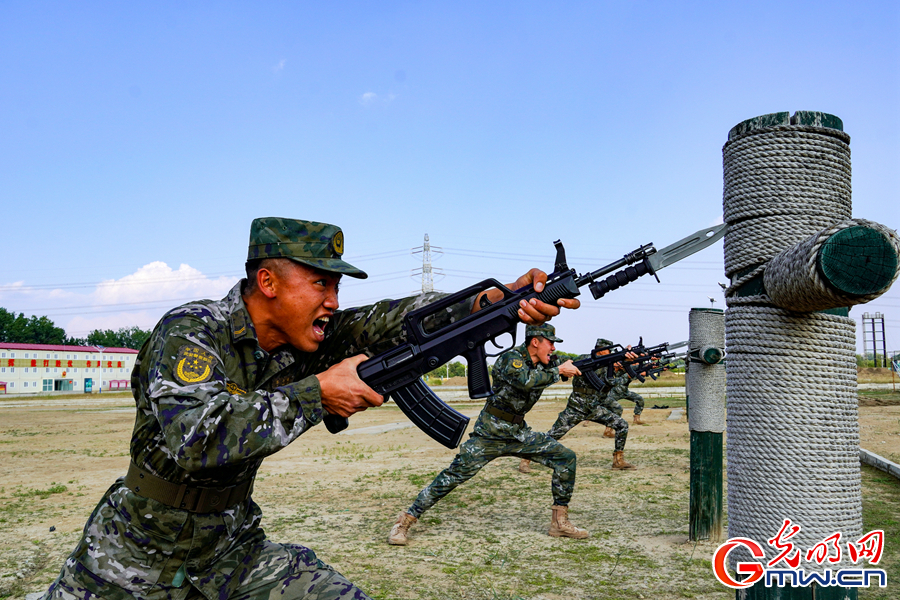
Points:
(55, 488)
(881, 510)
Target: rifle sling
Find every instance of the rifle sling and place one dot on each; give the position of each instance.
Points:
(506, 416)
(193, 498)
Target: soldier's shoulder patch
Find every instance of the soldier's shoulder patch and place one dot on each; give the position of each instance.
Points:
(517, 364)
(194, 364)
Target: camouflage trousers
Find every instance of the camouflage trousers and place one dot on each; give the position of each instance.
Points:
(586, 408)
(282, 572)
(628, 395)
(609, 403)
(478, 451)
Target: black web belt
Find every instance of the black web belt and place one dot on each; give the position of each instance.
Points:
(193, 498)
(506, 416)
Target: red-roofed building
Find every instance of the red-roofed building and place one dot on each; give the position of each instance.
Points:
(41, 368)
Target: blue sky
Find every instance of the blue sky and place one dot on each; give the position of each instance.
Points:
(139, 141)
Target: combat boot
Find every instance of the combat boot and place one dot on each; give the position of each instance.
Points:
(525, 466)
(637, 419)
(560, 526)
(610, 432)
(619, 461)
(400, 531)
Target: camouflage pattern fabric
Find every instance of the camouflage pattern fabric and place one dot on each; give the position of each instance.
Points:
(317, 245)
(588, 408)
(517, 386)
(620, 391)
(211, 405)
(588, 404)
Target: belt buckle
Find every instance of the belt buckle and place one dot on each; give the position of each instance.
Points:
(213, 499)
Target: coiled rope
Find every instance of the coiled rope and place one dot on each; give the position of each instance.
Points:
(792, 426)
(704, 383)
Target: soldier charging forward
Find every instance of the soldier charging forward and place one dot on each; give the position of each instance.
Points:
(586, 403)
(219, 386)
(519, 378)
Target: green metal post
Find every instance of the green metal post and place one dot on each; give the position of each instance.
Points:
(706, 486)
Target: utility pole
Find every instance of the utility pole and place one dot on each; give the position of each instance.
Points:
(427, 272)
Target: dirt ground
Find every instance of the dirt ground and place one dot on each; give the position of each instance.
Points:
(340, 494)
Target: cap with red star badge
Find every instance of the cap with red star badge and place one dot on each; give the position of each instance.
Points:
(318, 245)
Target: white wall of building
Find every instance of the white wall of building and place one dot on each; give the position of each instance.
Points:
(40, 368)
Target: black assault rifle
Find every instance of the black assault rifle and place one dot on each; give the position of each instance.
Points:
(665, 362)
(398, 372)
(609, 356)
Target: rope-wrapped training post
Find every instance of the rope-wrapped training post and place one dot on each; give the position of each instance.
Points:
(705, 389)
(797, 262)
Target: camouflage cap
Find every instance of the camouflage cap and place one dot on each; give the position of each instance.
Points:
(317, 245)
(545, 330)
(601, 342)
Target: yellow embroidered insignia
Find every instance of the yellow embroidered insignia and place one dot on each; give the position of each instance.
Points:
(517, 364)
(234, 389)
(337, 242)
(195, 365)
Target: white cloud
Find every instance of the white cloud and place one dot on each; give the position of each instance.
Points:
(279, 67)
(157, 281)
(138, 299)
(372, 99)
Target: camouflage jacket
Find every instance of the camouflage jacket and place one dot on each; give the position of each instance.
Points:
(517, 386)
(582, 387)
(211, 405)
(619, 384)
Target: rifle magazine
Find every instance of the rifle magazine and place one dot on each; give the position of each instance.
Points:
(430, 414)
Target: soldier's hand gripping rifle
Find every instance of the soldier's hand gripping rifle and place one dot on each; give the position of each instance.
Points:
(398, 372)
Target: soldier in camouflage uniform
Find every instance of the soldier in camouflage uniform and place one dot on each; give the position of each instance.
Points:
(619, 391)
(219, 386)
(586, 404)
(519, 377)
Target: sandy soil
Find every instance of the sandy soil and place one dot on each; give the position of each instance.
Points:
(340, 494)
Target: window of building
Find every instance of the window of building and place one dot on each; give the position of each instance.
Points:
(26, 355)
(12, 354)
(46, 370)
(56, 356)
(12, 369)
(12, 384)
(2, 354)
(47, 355)
(25, 384)
(2, 369)
(48, 385)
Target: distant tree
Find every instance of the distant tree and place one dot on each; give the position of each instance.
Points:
(33, 330)
(126, 337)
(455, 369)
(44, 331)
